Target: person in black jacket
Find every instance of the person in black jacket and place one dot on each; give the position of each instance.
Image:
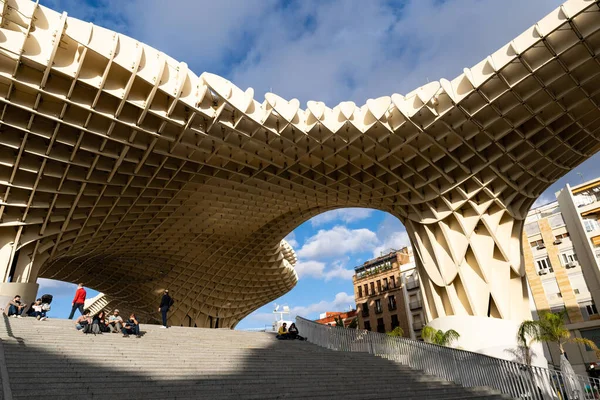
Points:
(165, 303)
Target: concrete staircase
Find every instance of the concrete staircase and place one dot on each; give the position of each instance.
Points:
(51, 360)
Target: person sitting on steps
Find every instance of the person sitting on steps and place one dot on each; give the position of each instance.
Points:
(15, 307)
(37, 310)
(83, 320)
(132, 327)
(293, 332)
(115, 322)
(100, 318)
(282, 333)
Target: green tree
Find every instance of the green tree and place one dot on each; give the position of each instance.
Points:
(439, 337)
(397, 332)
(339, 321)
(353, 324)
(550, 328)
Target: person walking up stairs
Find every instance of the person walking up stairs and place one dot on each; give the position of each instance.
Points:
(78, 300)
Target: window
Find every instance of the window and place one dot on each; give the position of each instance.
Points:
(583, 200)
(537, 243)
(379, 286)
(556, 220)
(366, 290)
(532, 228)
(589, 311)
(359, 291)
(591, 224)
(385, 284)
(395, 321)
(568, 257)
(578, 282)
(380, 325)
(562, 236)
(551, 289)
(392, 302)
(365, 309)
(593, 335)
(378, 309)
(393, 281)
(543, 266)
(372, 288)
(367, 325)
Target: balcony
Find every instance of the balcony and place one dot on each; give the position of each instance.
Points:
(415, 304)
(392, 307)
(412, 284)
(417, 326)
(365, 313)
(378, 310)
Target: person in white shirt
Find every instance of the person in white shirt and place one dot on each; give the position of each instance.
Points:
(115, 322)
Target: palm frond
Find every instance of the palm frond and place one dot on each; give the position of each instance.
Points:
(428, 334)
(529, 331)
(589, 343)
(449, 336)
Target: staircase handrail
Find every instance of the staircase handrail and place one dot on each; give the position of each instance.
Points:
(463, 367)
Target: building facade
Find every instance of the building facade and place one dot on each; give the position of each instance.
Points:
(330, 317)
(561, 248)
(387, 293)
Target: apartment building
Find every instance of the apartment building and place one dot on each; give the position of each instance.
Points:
(561, 249)
(387, 292)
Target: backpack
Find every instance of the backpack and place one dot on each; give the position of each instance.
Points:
(171, 302)
(94, 328)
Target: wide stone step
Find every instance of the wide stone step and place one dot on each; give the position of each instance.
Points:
(184, 363)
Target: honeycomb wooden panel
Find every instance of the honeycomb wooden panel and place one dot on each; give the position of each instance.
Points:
(121, 168)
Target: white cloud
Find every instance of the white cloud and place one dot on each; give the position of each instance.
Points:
(310, 268)
(544, 199)
(346, 215)
(291, 239)
(331, 51)
(338, 271)
(336, 242)
(396, 241)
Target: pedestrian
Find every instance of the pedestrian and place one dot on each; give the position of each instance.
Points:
(78, 300)
(165, 303)
(16, 307)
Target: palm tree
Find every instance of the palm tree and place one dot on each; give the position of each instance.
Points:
(550, 328)
(339, 321)
(438, 336)
(527, 334)
(397, 332)
(353, 324)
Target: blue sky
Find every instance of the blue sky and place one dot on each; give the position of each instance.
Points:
(331, 51)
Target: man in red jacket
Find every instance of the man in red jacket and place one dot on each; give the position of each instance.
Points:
(78, 300)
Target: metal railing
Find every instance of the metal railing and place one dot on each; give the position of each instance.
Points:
(462, 367)
(415, 304)
(411, 284)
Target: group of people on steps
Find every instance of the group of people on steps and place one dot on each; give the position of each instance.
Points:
(288, 334)
(16, 308)
(100, 323)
